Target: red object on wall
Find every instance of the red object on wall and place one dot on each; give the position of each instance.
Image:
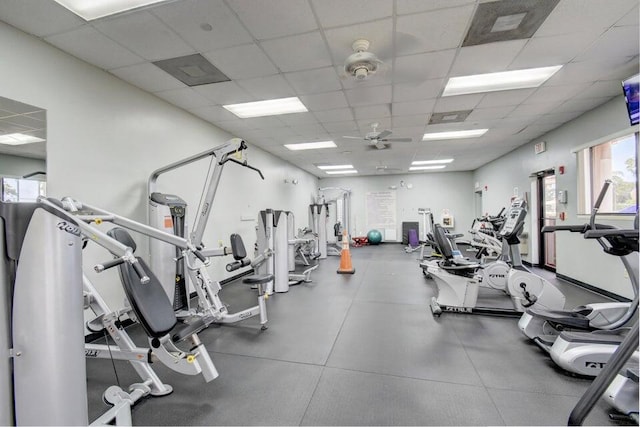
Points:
(486, 188)
(562, 216)
(561, 170)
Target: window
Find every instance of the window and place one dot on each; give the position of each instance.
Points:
(22, 190)
(616, 160)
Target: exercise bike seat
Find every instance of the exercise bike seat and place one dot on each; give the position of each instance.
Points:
(258, 279)
(149, 302)
(572, 319)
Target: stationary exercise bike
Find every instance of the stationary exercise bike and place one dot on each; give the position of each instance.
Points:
(458, 281)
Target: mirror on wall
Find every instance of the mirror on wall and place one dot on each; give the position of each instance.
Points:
(23, 137)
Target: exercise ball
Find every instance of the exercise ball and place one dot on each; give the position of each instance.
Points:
(374, 237)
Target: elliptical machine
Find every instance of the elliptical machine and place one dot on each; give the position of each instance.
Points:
(457, 279)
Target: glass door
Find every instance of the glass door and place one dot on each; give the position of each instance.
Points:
(547, 216)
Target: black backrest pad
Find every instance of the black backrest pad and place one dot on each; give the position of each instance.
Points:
(149, 301)
(237, 247)
(441, 240)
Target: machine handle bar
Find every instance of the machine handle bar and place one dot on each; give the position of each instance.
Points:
(244, 164)
(144, 279)
(199, 255)
(99, 268)
(236, 265)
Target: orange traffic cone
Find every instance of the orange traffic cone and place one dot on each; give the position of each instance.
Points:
(345, 256)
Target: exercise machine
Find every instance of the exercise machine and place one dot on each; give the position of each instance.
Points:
(168, 213)
(338, 208)
(458, 282)
(424, 213)
(581, 340)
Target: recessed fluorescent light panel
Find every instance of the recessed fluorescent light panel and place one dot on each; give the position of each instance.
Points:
(311, 145)
(341, 172)
(270, 107)
(456, 134)
(431, 162)
(504, 80)
(94, 9)
(18, 139)
(335, 167)
(424, 168)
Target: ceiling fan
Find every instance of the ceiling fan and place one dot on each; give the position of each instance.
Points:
(379, 140)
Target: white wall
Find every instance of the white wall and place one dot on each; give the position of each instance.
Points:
(105, 137)
(576, 258)
(17, 166)
(436, 191)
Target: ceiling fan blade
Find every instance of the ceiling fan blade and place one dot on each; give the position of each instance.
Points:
(383, 134)
(353, 137)
(398, 139)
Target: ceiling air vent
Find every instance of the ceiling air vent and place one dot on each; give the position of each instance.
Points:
(192, 70)
(449, 117)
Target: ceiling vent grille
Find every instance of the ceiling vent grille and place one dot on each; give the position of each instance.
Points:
(192, 70)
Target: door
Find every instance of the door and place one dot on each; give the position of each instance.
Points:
(478, 204)
(547, 203)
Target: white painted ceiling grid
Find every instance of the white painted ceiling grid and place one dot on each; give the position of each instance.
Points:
(281, 48)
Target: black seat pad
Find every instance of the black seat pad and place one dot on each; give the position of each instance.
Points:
(149, 301)
(258, 278)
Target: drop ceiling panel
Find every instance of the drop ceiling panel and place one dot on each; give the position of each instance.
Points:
(186, 98)
(572, 16)
(557, 118)
(370, 111)
(546, 94)
(409, 121)
(145, 35)
(532, 111)
(580, 105)
(457, 103)
(486, 58)
(92, 46)
(505, 98)
(296, 53)
(364, 96)
(40, 18)
(335, 13)
(378, 33)
(214, 113)
(554, 50)
(365, 125)
(314, 81)
(412, 108)
(601, 89)
(298, 119)
(584, 71)
(335, 115)
(187, 19)
(274, 18)
(224, 93)
(631, 18)
(264, 122)
(345, 126)
(325, 101)
(615, 42)
(270, 87)
(242, 62)
(148, 77)
(405, 7)
(424, 66)
(432, 31)
(429, 89)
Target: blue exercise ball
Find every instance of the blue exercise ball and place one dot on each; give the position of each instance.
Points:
(374, 237)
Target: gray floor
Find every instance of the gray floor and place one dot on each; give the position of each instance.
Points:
(362, 350)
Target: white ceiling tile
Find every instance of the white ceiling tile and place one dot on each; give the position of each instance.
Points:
(345, 126)
(489, 113)
(269, 87)
(617, 41)
(533, 110)
(92, 46)
(274, 18)
(413, 107)
(365, 125)
(214, 113)
(486, 58)
(242, 62)
(432, 31)
(557, 118)
(186, 18)
(334, 13)
(571, 16)
(148, 77)
(505, 98)
(236, 126)
(588, 71)
(378, 33)
(601, 89)
(408, 121)
(145, 35)
(424, 66)
(324, 101)
(264, 122)
(429, 89)
(546, 94)
(580, 105)
(40, 18)
(298, 119)
(186, 98)
(405, 7)
(314, 81)
(224, 93)
(335, 115)
(280, 134)
(371, 111)
(554, 50)
(369, 96)
(631, 18)
(302, 52)
(457, 103)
